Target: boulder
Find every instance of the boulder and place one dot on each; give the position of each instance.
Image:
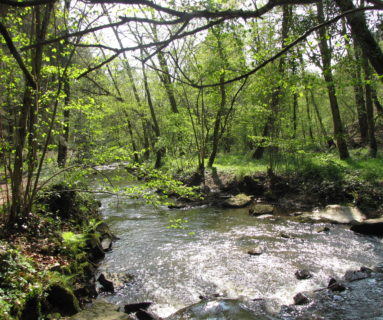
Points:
(257, 251)
(101, 310)
(303, 274)
(301, 298)
(239, 201)
(94, 249)
(62, 300)
(372, 227)
(146, 315)
(351, 275)
(106, 244)
(335, 286)
(134, 307)
(339, 214)
(258, 209)
(107, 285)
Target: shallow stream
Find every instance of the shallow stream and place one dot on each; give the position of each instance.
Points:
(207, 255)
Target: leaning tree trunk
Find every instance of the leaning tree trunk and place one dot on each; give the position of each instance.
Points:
(363, 35)
(327, 74)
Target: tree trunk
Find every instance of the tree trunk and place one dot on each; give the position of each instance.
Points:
(373, 148)
(363, 36)
(310, 129)
(62, 154)
(275, 98)
(160, 151)
(359, 96)
(327, 74)
(217, 124)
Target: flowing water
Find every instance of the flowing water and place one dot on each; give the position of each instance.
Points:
(207, 254)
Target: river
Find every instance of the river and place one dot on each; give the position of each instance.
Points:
(205, 254)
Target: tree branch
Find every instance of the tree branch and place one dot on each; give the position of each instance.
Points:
(287, 47)
(4, 32)
(23, 4)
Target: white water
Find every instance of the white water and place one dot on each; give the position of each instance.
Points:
(173, 267)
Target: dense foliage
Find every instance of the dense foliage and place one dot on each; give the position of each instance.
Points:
(175, 85)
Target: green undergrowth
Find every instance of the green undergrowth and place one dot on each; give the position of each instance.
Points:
(317, 165)
(48, 256)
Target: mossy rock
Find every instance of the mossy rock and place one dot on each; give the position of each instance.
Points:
(101, 310)
(62, 300)
(258, 209)
(239, 201)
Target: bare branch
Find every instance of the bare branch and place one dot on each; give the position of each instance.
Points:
(23, 4)
(74, 34)
(98, 66)
(287, 47)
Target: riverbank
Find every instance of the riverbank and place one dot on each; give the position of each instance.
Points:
(48, 262)
(302, 189)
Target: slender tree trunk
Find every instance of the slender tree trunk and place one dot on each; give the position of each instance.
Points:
(330, 142)
(378, 106)
(309, 120)
(26, 122)
(359, 96)
(276, 95)
(164, 76)
(62, 154)
(327, 74)
(160, 151)
(217, 124)
(373, 148)
(295, 110)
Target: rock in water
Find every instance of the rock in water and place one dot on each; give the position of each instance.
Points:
(372, 227)
(335, 286)
(101, 310)
(146, 315)
(303, 274)
(134, 307)
(301, 298)
(255, 251)
(322, 229)
(106, 244)
(258, 209)
(106, 284)
(339, 214)
(239, 201)
(351, 275)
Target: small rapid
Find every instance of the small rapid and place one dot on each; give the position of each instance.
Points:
(176, 256)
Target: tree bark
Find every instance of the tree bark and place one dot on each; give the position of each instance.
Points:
(363, 36)
(359, 96)
(62, 154)
(373, 148)
(327, 74)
